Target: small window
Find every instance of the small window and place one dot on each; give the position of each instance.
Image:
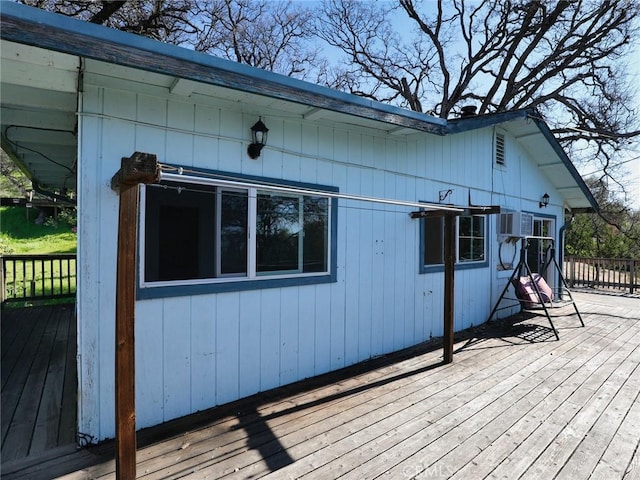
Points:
(470, 240)
(499, 148)
(194, 233)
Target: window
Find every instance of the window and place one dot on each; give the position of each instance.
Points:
(470, 241)
(471, 238)
(213, 234)
(291, 234)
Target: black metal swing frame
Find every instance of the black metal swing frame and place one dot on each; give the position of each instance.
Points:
(562, 295)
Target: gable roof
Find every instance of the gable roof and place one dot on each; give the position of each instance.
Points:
(42, 55)
(530, 130)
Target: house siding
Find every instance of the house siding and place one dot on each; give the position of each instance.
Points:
(199, 351)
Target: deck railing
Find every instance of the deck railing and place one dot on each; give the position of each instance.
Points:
(611, 273)
(37, 277)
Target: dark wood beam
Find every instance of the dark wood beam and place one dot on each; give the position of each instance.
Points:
(139, 168)
(473, 210)
(449, 297)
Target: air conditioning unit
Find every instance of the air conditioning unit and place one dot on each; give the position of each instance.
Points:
(515, 224)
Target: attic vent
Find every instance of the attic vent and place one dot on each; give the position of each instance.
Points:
(499, 148)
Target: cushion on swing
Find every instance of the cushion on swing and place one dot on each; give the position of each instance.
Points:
(526, 292)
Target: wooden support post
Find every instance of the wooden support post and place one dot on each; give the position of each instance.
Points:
(449, 297)
(139, 168)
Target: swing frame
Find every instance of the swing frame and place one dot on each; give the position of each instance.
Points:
(561, 295)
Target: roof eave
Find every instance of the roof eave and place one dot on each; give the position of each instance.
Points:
(35, 27)
(550, 137)
(465, 124)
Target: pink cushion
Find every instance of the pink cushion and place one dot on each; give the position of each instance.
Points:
(526, 292)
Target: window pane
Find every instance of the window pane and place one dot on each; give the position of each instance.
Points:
(478, 249)
(278, 229)
(316, 234)
(233, 232)
(478, 227)
(179, 233)
(471, 241)
(464, 250)
(178, 243)
(433, 240)
(464, 226)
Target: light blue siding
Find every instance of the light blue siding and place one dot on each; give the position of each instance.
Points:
(201, 351)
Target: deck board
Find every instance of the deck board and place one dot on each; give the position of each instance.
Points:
(39, 358)
(515, 403)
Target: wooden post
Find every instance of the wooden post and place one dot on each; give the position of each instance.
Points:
(139, 168)
(449, 298)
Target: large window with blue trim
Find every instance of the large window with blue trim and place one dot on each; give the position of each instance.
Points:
(234, 236)
(471, 242)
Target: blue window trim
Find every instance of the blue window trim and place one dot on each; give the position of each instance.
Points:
(549, 216)
(150, 292)
(424, 269)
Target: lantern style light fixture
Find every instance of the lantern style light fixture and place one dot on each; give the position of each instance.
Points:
(259, 133)
(545, 200)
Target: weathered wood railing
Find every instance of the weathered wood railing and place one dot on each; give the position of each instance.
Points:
(612, 273)
(37, 277)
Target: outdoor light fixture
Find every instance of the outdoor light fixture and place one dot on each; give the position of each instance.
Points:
(545, 200)
(259, 133)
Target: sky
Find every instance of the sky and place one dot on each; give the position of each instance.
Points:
(632, 167)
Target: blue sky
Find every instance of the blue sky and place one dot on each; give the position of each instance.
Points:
(631, 175)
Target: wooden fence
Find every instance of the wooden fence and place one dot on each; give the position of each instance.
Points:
(610, 273)
(37, 277)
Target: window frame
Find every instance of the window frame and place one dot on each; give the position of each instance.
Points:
(224, 181)
(459, 265)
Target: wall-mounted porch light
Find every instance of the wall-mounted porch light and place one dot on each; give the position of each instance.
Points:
(259, 133)
(544, 201)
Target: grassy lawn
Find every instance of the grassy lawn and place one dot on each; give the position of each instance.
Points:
(19, 236)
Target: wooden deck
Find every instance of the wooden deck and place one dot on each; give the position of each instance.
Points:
(39, 381)
(515, 403)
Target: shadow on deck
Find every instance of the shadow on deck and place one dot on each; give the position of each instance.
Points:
(39, 381)
(515, 403)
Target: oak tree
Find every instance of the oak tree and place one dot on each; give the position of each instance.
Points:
(567, 59)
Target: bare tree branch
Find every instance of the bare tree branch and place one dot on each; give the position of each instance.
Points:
(265, 34)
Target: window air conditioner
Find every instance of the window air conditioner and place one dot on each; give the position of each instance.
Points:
(515, 224)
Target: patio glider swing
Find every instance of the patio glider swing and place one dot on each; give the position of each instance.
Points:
(532, 292)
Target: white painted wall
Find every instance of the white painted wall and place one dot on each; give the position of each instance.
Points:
(197, 352)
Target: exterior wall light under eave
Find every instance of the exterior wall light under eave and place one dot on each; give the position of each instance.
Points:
(545, 200)
(259, 133)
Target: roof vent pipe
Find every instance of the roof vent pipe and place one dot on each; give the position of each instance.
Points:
(468, 111)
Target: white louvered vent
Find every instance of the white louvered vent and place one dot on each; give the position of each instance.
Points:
(499, 148)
